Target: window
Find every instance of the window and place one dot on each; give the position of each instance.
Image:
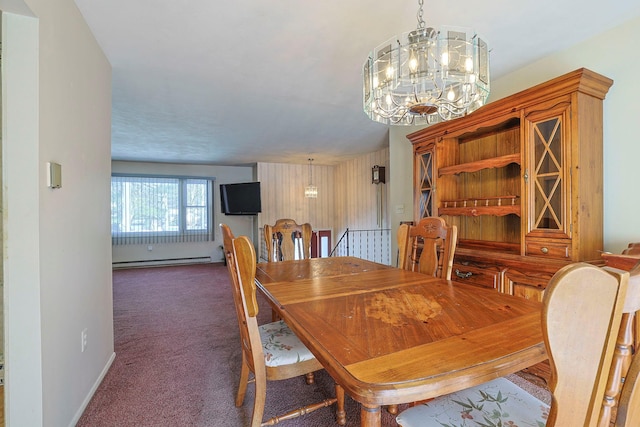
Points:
(157, 209)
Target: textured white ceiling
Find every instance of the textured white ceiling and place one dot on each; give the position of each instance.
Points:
(236, 82)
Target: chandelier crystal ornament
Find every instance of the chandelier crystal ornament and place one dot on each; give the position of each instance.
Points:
(426, 76)
(311, 191)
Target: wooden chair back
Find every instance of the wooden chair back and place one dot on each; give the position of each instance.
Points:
(428, 247)
(287, 240)
(582, 311)
(241, 263)
(632, 249)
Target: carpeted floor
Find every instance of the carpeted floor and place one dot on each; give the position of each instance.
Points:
(177, 357)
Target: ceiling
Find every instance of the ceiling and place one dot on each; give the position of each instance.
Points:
(245, 81)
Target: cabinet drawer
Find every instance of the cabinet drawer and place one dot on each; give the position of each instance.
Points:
(549, 250)
(472, 274)
(528, 292)
(526, 284)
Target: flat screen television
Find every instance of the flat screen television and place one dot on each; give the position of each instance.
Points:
(240, 199)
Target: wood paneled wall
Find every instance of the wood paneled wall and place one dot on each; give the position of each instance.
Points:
(357, 198)
(346, 196)
(282, 191)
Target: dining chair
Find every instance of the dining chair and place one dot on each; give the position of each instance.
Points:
(427, 247)
(288, 240)
(581, 314)
(270, 351)
(622, 397)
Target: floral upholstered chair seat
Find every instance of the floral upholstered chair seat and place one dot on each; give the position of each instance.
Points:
(497, 403)
(281, 346)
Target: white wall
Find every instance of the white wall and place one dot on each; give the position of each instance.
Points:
(240, 225)
(57, 259)
(401, 180)
(23, 351)
(612, 54)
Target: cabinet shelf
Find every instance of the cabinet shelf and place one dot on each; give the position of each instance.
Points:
(494, 162)
(480, 210)
(496, 205)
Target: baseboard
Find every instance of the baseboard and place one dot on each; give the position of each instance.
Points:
(161, 262)
(95, 386)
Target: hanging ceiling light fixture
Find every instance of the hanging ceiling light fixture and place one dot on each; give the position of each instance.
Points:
(426, 76)
(311, 191)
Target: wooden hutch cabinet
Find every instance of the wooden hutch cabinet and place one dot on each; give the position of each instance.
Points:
(522, 180)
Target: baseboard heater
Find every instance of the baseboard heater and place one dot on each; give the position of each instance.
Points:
(161, 262)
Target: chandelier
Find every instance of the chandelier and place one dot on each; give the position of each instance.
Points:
(311, 191)
(426, 76)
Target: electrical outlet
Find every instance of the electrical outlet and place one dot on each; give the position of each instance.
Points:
(83, 338)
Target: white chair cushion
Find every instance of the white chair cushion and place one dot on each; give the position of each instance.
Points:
(281, 346)
(495, 403)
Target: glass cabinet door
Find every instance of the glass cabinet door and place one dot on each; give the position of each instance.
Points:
(425, 184)
(547, 178)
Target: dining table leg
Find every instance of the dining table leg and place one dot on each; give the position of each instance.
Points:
(341, 414)
(370, 416)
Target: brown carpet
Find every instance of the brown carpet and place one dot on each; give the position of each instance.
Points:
(177, 357)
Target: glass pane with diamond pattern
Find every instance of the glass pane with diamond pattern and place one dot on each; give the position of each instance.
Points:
(548, 184)
(426, 184)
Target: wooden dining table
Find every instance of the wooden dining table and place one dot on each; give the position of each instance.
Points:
(390, 336)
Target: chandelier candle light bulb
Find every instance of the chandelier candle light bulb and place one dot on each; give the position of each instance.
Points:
(426, 76)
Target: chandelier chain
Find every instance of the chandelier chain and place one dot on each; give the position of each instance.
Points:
(421, 23)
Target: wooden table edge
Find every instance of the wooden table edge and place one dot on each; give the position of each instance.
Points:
(410, 391)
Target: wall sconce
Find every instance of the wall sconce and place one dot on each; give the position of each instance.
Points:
(377, 175)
